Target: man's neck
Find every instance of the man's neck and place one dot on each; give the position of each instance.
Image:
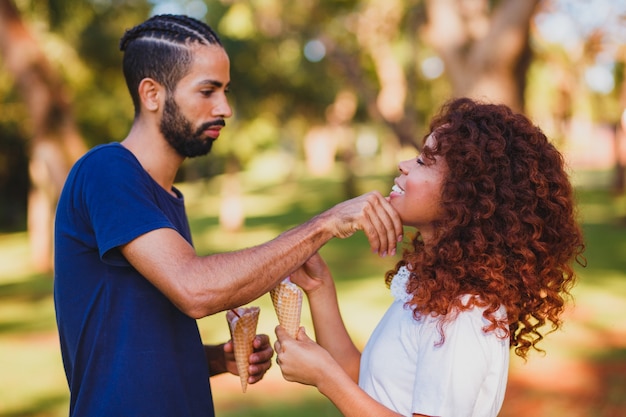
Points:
(154, 154)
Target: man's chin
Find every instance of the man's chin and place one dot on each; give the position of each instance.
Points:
(196, 149)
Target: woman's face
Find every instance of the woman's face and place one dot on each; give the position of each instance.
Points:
(416, 195)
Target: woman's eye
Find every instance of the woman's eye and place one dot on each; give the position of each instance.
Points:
(420, 161)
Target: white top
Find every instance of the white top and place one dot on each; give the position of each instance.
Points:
(403, 368)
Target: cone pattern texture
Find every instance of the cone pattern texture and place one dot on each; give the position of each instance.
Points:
(243, 331)
(287, 300)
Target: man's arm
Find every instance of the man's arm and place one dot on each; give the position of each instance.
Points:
(201, 286)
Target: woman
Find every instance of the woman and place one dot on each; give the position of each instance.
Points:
(489, 266)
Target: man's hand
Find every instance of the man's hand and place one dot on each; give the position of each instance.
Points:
(260, 359)
(371, 213)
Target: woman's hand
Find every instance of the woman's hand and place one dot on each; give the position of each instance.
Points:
(302, 360)
(312, 274)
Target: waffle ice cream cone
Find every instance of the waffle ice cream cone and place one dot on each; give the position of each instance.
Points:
(287, 300)
(242, 323)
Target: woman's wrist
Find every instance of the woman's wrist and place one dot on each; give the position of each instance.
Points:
(324, 291)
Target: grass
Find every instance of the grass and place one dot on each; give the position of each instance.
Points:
(583, 372)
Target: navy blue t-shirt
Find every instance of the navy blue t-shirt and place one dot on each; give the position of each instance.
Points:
(127, 350)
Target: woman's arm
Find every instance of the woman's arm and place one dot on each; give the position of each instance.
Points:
(315, 279)
(304, 361)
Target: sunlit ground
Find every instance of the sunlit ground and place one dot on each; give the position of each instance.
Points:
(583, 372)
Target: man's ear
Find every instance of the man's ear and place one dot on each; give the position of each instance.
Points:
(151, 94)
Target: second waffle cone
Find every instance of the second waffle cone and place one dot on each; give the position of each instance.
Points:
(287, 300)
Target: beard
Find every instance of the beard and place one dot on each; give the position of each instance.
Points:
(180, 134)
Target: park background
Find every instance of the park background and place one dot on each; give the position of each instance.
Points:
(328, 96)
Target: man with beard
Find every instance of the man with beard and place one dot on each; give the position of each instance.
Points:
(129, 285)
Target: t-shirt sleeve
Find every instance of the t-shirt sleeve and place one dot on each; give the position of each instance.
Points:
(449, 376)
(118, 199)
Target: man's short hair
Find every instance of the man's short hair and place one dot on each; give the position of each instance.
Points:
(159, 49)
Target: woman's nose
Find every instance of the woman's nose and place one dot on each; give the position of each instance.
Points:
(403, 166)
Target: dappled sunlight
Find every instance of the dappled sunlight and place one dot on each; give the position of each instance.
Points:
(33, 381)
(268, 210)
(271, 397)
(596, 213)
(15, 256)
(326, 98)
(585, 362)
(25, 314)
(559, 385)
(363, 303)
(583, 372)
(556, 374)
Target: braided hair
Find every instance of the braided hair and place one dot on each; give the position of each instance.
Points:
(159, 49)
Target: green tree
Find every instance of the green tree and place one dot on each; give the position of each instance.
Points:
(50, 73)
(309, 78)
(55, 142)
(485, 46)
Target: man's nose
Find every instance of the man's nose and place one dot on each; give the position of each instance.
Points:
(223, 109)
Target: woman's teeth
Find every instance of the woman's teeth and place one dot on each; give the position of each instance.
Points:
(397, 189)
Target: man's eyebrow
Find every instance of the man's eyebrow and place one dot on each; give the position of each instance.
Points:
(213, 83)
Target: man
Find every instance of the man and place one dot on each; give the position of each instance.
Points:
(129, 285)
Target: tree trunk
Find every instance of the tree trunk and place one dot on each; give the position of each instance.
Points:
(619, 185)
(486, 53)
(389, 101)
(378, 27)
(56, 142)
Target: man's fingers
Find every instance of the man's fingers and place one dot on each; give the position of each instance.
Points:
(373, 234)
(373, 214)
(393, 225)
(383, 226)
(260, 341)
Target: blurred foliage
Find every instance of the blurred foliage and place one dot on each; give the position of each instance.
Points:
(278, 93)
(592, 340)
(81, 40)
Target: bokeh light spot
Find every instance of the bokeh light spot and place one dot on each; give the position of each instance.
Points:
(314, 50)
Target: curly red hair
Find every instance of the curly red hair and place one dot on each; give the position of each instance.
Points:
(509, 234)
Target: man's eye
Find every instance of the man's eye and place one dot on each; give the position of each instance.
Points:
(206, 93)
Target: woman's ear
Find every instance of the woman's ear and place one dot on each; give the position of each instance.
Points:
(151, 94)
